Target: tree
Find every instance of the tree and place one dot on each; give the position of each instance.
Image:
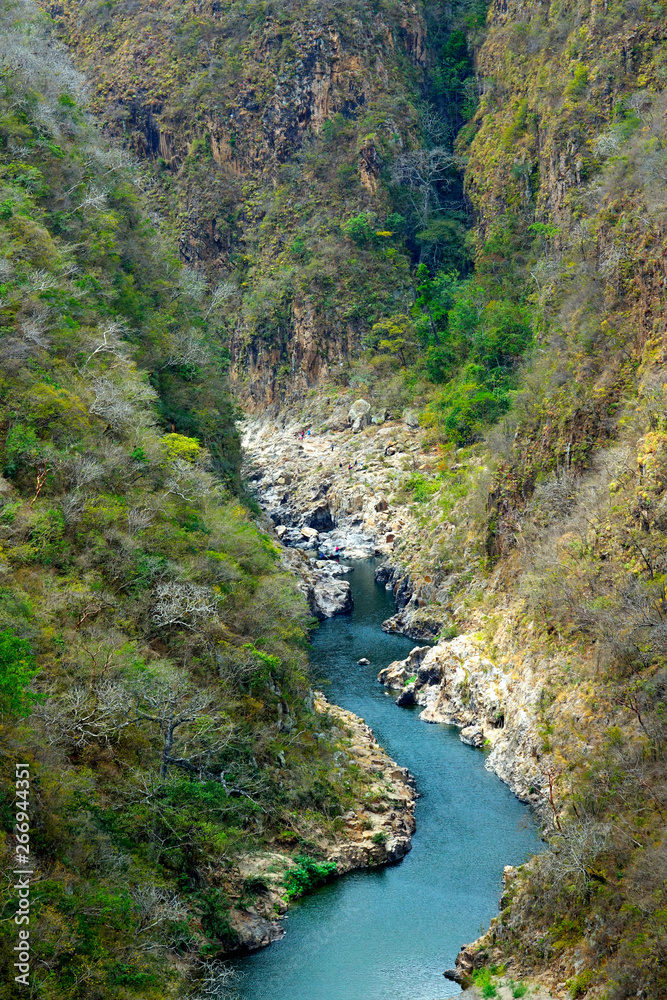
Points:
(184, 604)
(425, 173)
(574, 851)
(17, 668)
(193, 732)
(395, 337)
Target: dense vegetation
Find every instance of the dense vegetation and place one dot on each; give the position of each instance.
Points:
(556, 544)
(152, 648)
(365, 185)
(470, 221)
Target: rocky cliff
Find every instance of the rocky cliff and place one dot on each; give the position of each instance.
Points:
(267, 129)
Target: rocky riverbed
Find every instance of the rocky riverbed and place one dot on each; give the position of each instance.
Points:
(341, 491)
(334, 485)
(337, 487)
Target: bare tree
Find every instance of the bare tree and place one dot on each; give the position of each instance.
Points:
(138, 519)
(193, 731)
(82, 470)
(218, 982)
(122, 400)
(110, 342)
(634, 625)
(154, 906)
(223, 291)
(73, 506)
(187, 350)
(555, 498)
(94, 198)
(190, 482)
(86, 715)
(574, 850)
(192, 283)
(183, 604)
(425, 172)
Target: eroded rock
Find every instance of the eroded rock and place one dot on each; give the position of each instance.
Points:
(331, 597)
(456, 683)
(359, 415)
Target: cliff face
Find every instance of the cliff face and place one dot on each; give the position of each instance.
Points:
(267, 129)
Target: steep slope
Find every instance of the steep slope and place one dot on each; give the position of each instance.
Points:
(268, 129)
(154, 676)
(547, 540)
(298, 151)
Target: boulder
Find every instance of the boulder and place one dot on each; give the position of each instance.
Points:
(331, 597)
(407, 696)
(411, 418)
(254, 931)
(280, 530)
(473, 736)
(360, 415)
(310, 533)
(364, 662)
(422, 624)
(397, 673)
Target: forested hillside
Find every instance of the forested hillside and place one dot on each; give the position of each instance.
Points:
(153, 649)
(307, 152)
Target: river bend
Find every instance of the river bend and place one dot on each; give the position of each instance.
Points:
(388, 933)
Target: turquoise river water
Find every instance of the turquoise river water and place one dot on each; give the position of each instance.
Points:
(388, 933)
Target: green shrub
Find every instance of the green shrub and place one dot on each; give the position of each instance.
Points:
(579, 984)
(482, 979)
(307, 874)
(17, 668)
(421, 487)
(362, 229)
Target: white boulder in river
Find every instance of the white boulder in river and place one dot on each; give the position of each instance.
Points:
(360, 415)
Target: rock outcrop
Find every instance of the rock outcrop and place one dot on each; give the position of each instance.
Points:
(494, 707)
(321, 583)
(334, 480)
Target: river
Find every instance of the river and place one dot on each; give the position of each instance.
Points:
(388, 933)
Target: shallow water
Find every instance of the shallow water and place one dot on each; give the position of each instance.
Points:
(388, 933)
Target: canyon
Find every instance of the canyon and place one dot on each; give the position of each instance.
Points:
(283, 289)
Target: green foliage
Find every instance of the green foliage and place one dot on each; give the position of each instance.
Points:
(362, 230)
(17, 669)
(421, 487)
(482, 978)
(579, 984)
(135, 584)
(306, 875)
(450, 632)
